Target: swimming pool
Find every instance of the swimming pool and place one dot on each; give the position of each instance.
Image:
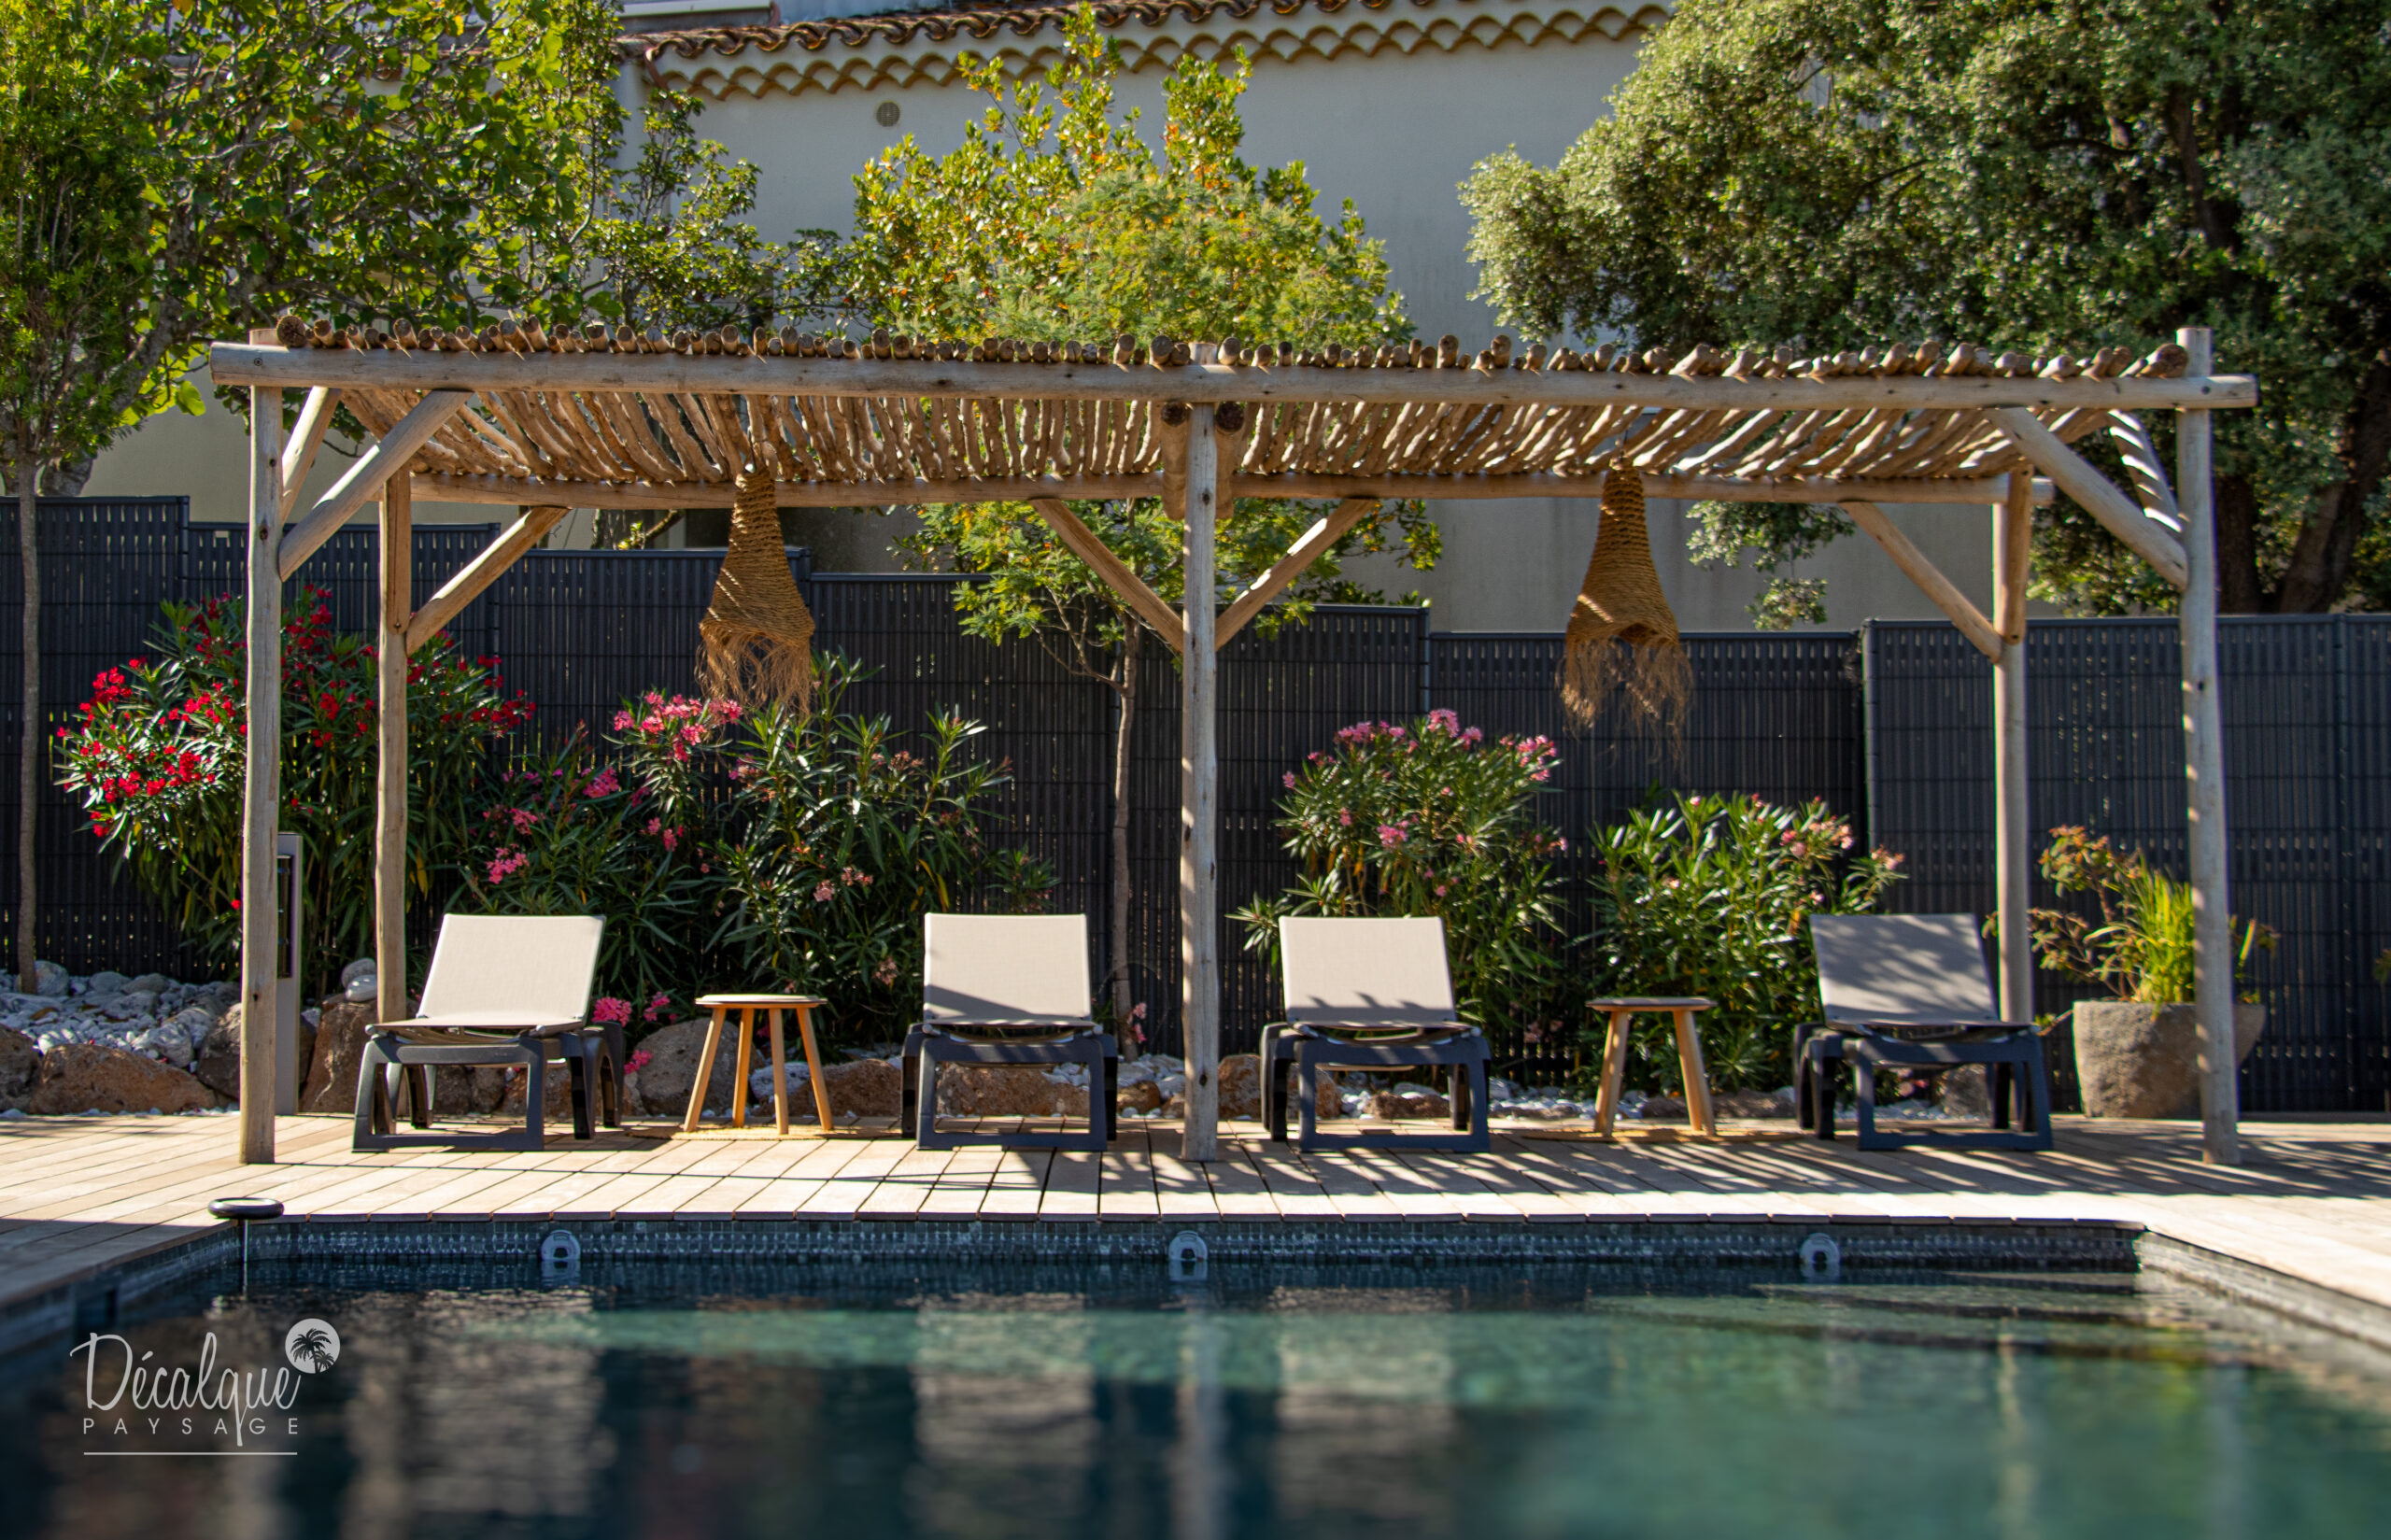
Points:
(987, 1403)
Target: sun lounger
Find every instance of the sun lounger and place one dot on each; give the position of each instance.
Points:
(1008, 989)
(1371, 995)
(1912, 991)
(509, 990)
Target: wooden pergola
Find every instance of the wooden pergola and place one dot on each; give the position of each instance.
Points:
(540, 422)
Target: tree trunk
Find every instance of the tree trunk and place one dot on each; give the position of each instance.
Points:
(1117, 976)
(2322, 556)
(29, 736)
(2239, 590)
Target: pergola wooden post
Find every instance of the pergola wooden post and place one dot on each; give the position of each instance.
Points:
(616, 419)
(2204, 772)
(260, 776)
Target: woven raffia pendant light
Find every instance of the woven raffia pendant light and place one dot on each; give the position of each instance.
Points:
(1622, 643)
(755, 642)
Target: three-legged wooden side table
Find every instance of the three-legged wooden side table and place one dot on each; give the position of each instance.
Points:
(748, 1006)
(1697, 1079)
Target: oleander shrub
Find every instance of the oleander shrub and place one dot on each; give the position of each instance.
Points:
(1435, 819)
(157, 757)
(1708, 896)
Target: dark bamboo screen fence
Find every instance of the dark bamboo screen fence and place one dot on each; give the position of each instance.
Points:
(1890, 725)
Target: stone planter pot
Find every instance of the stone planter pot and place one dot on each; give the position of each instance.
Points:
(2143, 1060)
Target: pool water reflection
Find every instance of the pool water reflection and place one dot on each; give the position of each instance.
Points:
(1539, 1402)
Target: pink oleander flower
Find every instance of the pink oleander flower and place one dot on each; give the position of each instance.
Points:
(1445, 722)
(610, 1011)
(660, 1007)
(1345, 816)
(671, 839)
(655, 826)
(604, 784)
(1472, 735)
(1392, 835)
(824, 894)
(639, 1059)
(524, 818)
(1288, 780)
(886, 972)
(623, 721)
(506, 864)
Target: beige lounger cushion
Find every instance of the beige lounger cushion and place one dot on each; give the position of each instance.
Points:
(1902, 969)
(1365, 972)
(1005, 968)
(511, 970)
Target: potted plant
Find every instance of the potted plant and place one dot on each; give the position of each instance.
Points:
(2136, 1056)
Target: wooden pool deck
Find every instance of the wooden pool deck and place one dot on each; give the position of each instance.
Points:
(2313, 1204)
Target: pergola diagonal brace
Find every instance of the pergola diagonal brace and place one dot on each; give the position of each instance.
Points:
(2142, 535)
(480, 572)
(1309, 547)
(299, 455)
(1115, 572)
(388, 457)
(1920, 570)
(2149, 473)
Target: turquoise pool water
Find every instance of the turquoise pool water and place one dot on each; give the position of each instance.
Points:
(1527, 1402)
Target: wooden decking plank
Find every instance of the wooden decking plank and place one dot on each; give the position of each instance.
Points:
(1412, 1194)
(900, 1192)
(960, 1188)
(1352, 1188)
(1181, 1191)
(840, 1195)
(1126, 1188)
(1292, 1185)
(1071, 1186)
(1018, 1184)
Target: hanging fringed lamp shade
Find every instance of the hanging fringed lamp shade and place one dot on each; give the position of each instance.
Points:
(756, 643)
(1622, 647)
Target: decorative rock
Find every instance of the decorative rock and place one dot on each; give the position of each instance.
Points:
(165, 1043)
(340, 1049)
(51, 980)
(866, 1087)
(1966, 1093)
(194, 1021)
(149, 983)
(218, 1062)
(555, 1094)
(1411, 1102)
(80, 1076)
(2143, 1060)
(1141, 1096)
(1752, 1104)
(1241, 1089)
(105, 982)
(474, 1089)
(1663, 1107)
(660, 1087)
(1005, 1090)
(362, 990)
(356, 970)
(20, 1067)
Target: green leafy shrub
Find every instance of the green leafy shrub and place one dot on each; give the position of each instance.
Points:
(158, 755)
(2141, 948)
(1435, 819)
(1707, 896)
(761, 850)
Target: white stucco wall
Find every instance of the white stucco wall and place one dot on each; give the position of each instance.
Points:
(1389, 117)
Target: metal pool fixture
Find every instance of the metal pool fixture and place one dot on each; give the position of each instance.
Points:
(242, 1211)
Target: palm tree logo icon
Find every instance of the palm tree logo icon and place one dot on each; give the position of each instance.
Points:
(312, 1346)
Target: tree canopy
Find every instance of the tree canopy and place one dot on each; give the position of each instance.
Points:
(1837, 173)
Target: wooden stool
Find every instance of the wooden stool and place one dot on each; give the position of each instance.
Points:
(747, 1005)
(1697, 1079)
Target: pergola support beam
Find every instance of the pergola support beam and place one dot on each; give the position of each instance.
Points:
(1920, 569)
(1199, 958)
(2141, 533)
(2013, 534)
(528, 530)
(1118, 575)
(391, 761)
(1308, 547)
(262, 780)
(307, 437)
(364, 479)
(445, 488)
(2204, 772)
